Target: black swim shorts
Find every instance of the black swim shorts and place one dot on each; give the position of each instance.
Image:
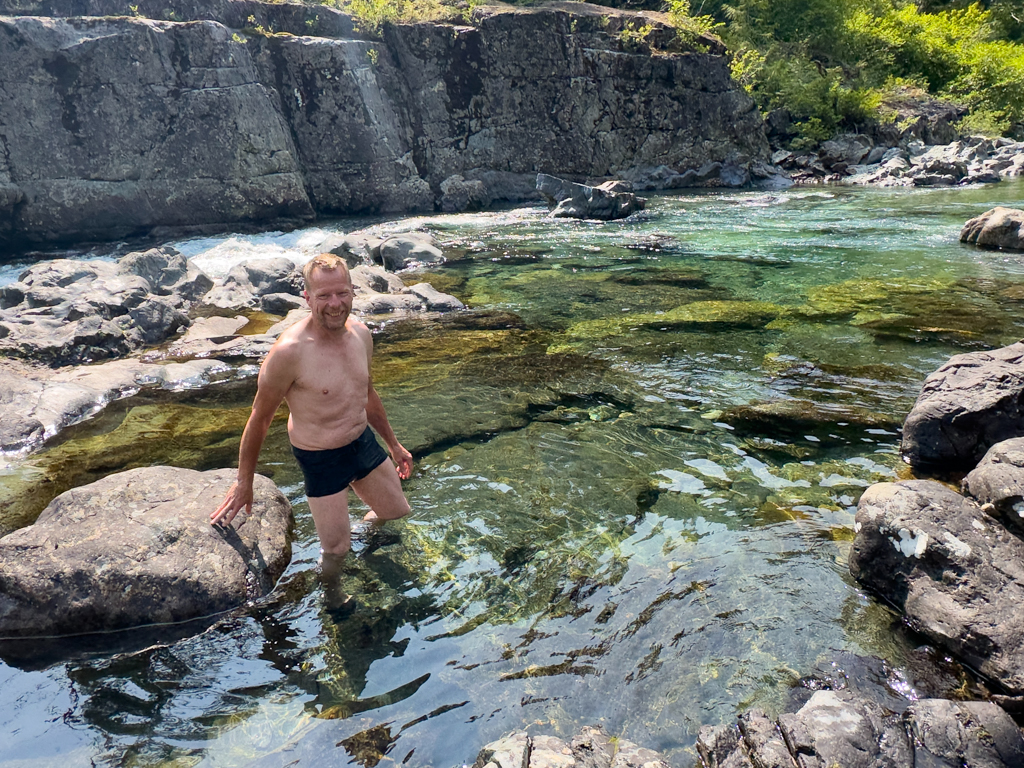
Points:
(328, 472)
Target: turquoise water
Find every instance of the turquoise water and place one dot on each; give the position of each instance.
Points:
(601, 533)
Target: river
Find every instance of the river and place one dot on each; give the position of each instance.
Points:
(601, 533)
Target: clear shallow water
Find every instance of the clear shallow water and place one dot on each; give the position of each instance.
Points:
(599, 536)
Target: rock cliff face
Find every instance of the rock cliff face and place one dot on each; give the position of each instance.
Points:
(120, 118)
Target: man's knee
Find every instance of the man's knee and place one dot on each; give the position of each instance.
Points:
(336, 549)
(394, 510)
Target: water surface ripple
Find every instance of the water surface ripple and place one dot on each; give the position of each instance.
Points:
(632, 507)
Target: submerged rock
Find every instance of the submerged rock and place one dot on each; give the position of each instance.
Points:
(997, 228)
(956, 573)
(578, 201)
(137, 548)
(794, 416)
(968, 405)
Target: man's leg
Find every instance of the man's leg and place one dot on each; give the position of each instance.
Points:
(381, 490)
(330, 515)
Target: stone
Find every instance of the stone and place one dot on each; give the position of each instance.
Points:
(955, 573)
(375, 280)
(280, 303)
(763, 741)
(356, 248)
(215, 328)
(435, 300)
(958, 733)
(37, 404)
(412, 248)
(841, 728)
(167, 272)
(155, 320)
(969, 404)
(578, 201)
(592, 748)
(511, 751)
(136, 548)
(630, 755)
(245, 283)
(997, 228)
(719, 747)
(386, 303)
(998, 482)
(550, 752)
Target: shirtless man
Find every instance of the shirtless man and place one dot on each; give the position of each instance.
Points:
(321, 367)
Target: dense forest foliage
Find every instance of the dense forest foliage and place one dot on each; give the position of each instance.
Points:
(836, 64)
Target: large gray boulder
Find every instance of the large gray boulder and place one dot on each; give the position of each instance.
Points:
(956, 573)
(968, 405)
(137, 548)
(996, 228)
(579, 201)
(246, 283)
(167, 272)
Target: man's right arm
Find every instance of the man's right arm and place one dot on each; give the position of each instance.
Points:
(275, 379)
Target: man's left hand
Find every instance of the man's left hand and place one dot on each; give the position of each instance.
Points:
(403, 461)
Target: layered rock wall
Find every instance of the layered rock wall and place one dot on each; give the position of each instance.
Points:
(232, 113)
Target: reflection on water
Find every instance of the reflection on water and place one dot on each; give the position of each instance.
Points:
(633, 501)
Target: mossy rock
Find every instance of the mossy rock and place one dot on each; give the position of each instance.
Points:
(702, 315)
(803, 416)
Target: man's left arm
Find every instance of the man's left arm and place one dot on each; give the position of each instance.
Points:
(378, 418)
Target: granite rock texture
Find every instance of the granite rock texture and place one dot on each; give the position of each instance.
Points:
(137, 548)
(956, 573)
(123, 118)
(997, 228)
(969, 404)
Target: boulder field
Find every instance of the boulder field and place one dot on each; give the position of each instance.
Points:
(125, 118)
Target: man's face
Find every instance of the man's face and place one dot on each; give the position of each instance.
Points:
(329, 295)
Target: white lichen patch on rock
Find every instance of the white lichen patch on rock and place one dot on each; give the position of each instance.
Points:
(910, 543)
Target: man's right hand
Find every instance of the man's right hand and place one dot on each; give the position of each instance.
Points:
(238, 498)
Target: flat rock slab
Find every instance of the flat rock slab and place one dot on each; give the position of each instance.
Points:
(968, 405)
(997, 228)
(956, 573)
(137, 548)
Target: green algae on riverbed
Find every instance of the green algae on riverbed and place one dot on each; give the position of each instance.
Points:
(617, 519)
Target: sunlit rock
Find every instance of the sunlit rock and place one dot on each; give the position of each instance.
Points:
(411, 248)
(968, 405)
(579, 201)
(998, 482)
(590, 748)
(859, 716)
(997, 228)
(956, 573)
(137, 548)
